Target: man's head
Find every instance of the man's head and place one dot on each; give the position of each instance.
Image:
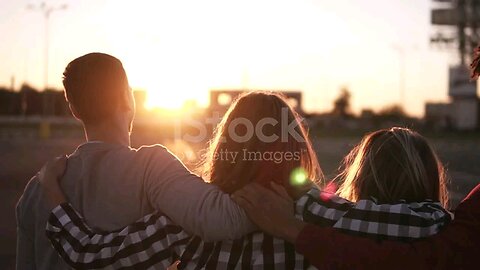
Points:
(97, 90)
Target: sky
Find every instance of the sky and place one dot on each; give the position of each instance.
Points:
(178, 50)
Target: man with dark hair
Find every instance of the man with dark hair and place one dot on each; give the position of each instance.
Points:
(112, 184)
(96, 85)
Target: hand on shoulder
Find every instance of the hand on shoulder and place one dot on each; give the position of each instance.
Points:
(48, 178)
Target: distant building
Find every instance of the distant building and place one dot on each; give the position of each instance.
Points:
(463, 110)
(465, 103)
(438, 115)
(367, 114)
(28, 102)
(220, 100)
(10, 102)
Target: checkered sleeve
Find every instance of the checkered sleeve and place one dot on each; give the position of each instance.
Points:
(399, 221)
(153, 241)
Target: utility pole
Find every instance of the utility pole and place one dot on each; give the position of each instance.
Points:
(12, 83)
(46, 11)
(464, 17)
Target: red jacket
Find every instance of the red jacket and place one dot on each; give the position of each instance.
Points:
(455, 247)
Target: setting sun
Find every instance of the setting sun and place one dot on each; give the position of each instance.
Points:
(179, 53)
(167, 99)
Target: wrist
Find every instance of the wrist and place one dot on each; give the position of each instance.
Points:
(292, 230)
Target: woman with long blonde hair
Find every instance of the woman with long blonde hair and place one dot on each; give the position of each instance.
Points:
(393, 164)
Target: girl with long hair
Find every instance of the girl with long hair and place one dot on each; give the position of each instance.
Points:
(393, 164)
(254, 130)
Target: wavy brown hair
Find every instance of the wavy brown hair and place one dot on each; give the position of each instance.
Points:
(475, 65)
(296, 152)
(392, 165)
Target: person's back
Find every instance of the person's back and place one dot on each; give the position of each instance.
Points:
(103, 181)
(113, 185)
(97, 90)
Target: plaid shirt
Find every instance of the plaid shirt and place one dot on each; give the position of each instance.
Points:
(154, 242)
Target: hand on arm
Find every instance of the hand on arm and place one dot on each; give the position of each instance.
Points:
(272, 211)
(48, 178)
(200, 208)
(455, 247)
(174, 266)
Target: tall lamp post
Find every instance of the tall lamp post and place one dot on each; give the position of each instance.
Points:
(46, 10)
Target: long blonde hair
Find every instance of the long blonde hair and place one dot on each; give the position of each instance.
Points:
(391, 165)
(255, 107)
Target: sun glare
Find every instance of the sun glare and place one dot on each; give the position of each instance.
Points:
(179, 58)
(298, 177)
(178, 50)
(166, 99)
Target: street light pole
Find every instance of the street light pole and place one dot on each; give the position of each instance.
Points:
(46, 10)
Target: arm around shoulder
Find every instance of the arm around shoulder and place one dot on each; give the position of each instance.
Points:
(455, 247)
(200, 208)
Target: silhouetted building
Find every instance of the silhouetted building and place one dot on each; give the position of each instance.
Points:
(32, 101)
(29, 101)
(463, 110)
(220, 100)
(437, 115)
(10, 102)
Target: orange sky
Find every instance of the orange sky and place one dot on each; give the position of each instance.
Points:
(178, 50)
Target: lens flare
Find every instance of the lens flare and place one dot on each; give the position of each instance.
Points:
(298, 177)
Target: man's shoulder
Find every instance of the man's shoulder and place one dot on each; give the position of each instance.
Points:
(152, 148)
(29, 200)
(155, 151)
(31, 190)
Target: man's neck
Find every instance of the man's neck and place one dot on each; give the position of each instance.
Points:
(107, 134)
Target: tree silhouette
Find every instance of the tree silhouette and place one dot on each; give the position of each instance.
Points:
(341, 105)
(393, 112)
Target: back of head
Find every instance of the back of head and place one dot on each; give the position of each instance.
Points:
(96, 86)
(392, 165)
(255, 129)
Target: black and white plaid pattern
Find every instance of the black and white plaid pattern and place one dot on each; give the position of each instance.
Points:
(400, 221)
(154, 242)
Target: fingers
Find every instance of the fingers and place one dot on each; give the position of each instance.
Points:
(257, 194)
(59, 165)
(174, 266)
(245, 198)
(280, 190)
(250, 193)
(250, 209)
(264, 194)
(243, 202)
(257, 190)
(53, 170)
